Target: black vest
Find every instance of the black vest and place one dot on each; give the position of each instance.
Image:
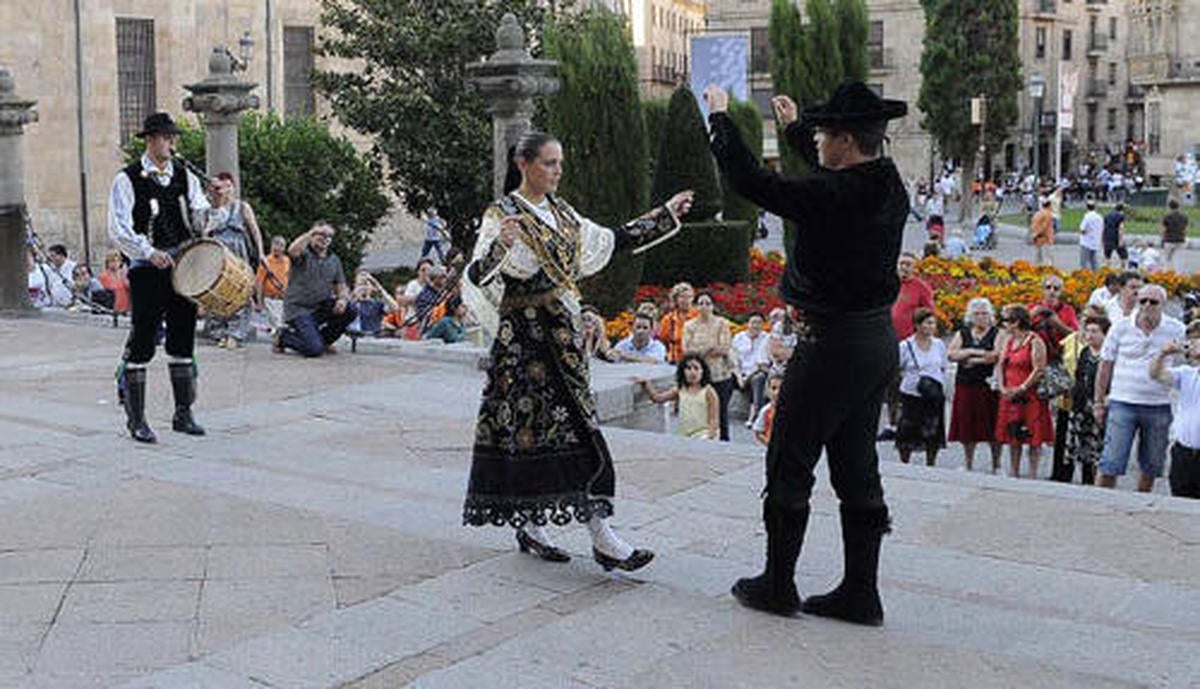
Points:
(168, 228)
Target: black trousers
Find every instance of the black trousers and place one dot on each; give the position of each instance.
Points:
(1185, 472)
(1063, 467)
(830, 400)
(724, 390)
(152, 298)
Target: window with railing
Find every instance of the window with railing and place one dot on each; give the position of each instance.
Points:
(298, 95)
(1039, 43)
(136, 95)
(875, 45)
(1066, 44)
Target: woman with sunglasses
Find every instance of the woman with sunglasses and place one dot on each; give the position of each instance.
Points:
(1023, 419)
(1055, 320)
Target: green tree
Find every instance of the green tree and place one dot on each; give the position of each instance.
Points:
(654, 113)
(853, 31)
(822, 56)
(294, 172)
(971, 49)
(748, 119)
(407, 92)
(684, 161)
(597, 114)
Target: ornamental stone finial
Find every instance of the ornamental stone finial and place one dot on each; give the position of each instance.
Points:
(15, 112)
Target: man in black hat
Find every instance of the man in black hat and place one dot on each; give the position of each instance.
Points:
(840, 280)
(152, 210)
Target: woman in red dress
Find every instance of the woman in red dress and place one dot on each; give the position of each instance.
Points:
(1024, 418)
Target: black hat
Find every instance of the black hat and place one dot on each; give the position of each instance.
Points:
(854, 103)
(158, 123)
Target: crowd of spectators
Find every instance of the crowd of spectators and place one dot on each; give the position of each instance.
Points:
(1087, 388)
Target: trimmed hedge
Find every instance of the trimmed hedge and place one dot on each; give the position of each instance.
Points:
(702, 253)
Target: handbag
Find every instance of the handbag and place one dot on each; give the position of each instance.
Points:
(928, 387)
(1055, 381)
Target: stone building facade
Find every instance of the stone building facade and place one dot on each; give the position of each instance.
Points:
(133, 58)
(662, 33)
(1164, 63)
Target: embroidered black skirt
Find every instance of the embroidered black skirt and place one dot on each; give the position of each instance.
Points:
(539, 456)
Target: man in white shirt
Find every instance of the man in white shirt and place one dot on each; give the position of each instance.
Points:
(1128, 398)
(1091, 227)
(1185, 453)
(752, 359)
(1125, 304)
(60, 276)
(1102, 295)
(154, 208)
(641, 346)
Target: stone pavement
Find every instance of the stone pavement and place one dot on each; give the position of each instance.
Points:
(313, 539)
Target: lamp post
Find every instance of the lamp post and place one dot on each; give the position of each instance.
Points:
(508, 81)
(220, 99)
(1037, 89)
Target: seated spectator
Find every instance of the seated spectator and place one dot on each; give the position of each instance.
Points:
(453, 327)
(316, 304)
(115, 279)
(432, 294)
(39, 281)
(956, 245)
(782, 342)
(62, 272)
(766, 416)
(595, 338)
(641, 346)
(372, 301)
(650, 309)
(752, 358)
(271, 281)
(88, 292)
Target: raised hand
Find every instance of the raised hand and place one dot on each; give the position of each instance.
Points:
(716, 98)
(680, 204)
(785, 109)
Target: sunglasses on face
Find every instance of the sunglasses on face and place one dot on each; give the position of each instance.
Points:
(1052, 288)
(1147, 301)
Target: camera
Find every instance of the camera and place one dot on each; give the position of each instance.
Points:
(1017, 430)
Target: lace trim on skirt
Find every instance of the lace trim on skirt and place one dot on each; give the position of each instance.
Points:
(541, 510)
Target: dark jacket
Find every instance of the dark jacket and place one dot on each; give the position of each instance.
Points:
(849, 222)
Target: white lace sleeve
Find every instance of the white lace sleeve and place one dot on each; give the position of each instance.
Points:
(596, 245)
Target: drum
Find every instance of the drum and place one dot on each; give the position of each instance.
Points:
(213, 277)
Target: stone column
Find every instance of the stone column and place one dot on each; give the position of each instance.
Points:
(508, 81)
(15, 113)
(220, 100)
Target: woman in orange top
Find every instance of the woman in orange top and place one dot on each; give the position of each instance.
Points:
(1041, 231)
(670, 328)
(115, 279)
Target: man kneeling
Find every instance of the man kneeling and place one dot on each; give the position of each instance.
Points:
(316, 305)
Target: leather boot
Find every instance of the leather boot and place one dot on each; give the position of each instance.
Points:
(135, 406)
(856, 599)
(183, 384)
(774, 590)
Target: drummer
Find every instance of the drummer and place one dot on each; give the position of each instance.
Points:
(153, 209)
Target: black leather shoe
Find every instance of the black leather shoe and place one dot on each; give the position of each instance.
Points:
(183, 422)
(142, 433)
(761, 593)
(549, 553)
(637, 560)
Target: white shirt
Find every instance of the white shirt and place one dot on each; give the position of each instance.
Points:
(930, 363)
(1113, 309)
(59, 291)
(749, 353)
(120, 208)
(1101, 297)
(1186, 379)
(1132, 350)
(1090, 229)
(38, 294)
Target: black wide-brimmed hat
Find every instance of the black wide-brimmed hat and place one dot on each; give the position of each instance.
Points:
(854, 103)
(158, 123)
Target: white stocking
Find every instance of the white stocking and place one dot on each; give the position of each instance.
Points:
(538, 534)
(606, 541)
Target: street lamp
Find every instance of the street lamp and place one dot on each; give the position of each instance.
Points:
(1037, 89)
(241, 61)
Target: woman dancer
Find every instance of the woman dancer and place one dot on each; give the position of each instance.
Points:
(539, 456)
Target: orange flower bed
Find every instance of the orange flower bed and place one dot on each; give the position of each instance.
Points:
(954, 283)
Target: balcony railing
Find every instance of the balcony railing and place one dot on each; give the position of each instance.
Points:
(1186, 67)
(1097, 88)
(1046, 6)
(1098, 43)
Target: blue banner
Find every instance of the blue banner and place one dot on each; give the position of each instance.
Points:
(720, 60)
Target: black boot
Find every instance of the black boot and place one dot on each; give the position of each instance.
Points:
(774, 590)
(135, 406)
(856, 599)
(183, 384)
